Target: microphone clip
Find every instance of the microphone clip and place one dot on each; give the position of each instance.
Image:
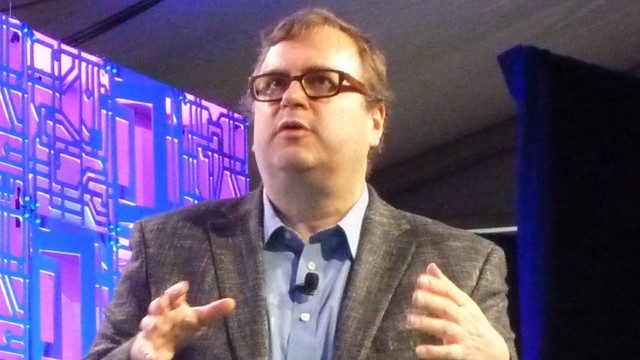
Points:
(311, 281)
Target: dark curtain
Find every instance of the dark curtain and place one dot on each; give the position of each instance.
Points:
(578, 206)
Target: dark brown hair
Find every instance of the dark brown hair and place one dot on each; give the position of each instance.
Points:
(374, 66)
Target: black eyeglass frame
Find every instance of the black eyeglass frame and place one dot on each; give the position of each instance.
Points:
(353, 85)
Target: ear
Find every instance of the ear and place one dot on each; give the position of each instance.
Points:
(378, 116)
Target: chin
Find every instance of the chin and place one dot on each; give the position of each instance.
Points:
(294, 162)
(298, 166)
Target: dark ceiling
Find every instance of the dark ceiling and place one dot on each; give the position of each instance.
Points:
(441, 54)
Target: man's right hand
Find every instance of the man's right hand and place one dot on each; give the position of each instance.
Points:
(170, 322)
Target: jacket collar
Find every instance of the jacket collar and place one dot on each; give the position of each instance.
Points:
(383, 257)
(236, 240)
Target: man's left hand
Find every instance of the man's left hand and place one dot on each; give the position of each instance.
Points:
(443, 310)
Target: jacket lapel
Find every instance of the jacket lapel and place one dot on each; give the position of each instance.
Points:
(382, 258)
(236, 240)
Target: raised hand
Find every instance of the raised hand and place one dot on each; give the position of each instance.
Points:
(443, 310)
(170, 322)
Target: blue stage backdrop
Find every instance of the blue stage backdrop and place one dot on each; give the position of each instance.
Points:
(88, 147)
(578, 206)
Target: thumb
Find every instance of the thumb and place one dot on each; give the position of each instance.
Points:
(206, 314)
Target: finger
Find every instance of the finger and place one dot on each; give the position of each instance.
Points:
(159, 305)
(434, 270)
(180, 300)
(441, 287)
(446, 330)
(147, 323)
(437, 305)
(206, 314)
(153, 327)
(177, 293)
(453, 352)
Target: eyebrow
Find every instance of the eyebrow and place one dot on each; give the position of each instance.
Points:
(305, 70)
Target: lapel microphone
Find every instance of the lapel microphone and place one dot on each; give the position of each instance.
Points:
(311, 281)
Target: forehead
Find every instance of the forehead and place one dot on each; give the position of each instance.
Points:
(320, 47)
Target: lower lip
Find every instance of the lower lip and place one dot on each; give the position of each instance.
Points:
(292, 131)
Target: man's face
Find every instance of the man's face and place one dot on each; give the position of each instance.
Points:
(297, 134)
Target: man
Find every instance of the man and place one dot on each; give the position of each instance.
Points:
(314, 265)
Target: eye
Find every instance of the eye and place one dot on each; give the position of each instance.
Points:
(270, 85)
(272, 82)
(276, 82)
(321, 81)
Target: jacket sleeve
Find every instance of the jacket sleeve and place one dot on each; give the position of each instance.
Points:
(490, 293)
(128, 306)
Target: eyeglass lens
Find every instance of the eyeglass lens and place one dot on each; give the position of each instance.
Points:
(317, 83)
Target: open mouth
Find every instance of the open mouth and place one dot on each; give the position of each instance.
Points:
(290, 125)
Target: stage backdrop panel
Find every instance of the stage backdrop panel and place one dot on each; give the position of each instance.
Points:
(579, 206)
(88, 147)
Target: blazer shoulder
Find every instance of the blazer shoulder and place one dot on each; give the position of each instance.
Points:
(205, 212)
(426, 232)
(433, 232)
(462, 255)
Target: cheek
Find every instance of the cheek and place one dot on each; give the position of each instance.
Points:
(355, 124)
(259, 132)
(261, 121)
(259, 112)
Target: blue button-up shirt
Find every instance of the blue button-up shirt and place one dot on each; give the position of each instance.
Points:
(303, 325)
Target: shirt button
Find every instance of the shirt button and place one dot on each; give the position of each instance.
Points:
(311, 265)
(305, 317)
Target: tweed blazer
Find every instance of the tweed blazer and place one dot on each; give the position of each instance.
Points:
(217, 246)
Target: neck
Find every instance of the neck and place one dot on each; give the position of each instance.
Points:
(307, 206)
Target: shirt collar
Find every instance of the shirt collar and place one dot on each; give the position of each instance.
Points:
(351, 223)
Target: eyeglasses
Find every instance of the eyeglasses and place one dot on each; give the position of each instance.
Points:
(316, 84)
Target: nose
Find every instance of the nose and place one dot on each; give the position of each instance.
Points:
(294, 95)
